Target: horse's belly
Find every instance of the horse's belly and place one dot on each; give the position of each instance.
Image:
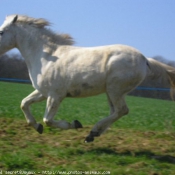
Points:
(85, 90)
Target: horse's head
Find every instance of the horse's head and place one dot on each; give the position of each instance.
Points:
(7, 35)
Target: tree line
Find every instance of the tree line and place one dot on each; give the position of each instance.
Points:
(14, 66)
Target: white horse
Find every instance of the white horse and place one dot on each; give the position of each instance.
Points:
(59, 70)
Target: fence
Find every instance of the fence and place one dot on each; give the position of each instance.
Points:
(14, 80)
(138, 88)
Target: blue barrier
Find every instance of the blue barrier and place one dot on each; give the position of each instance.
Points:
(152, 89)
(138, 88)
(15, 80)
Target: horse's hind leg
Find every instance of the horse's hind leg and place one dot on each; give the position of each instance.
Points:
(53, 102)
(25, 104)
(110, 105)
(118, 109)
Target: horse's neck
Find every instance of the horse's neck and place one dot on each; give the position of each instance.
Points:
(31, 47)
(28, 44)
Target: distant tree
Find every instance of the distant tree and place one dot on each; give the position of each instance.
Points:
(13, 66)
(163, 60)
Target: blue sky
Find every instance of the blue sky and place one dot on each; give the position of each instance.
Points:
(148, 25)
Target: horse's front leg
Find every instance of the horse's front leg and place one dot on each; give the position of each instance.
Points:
(35, 96)
(53, 102)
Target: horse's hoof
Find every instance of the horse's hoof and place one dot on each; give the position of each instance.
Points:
(89, 139)
(40, 128)
(77, 124)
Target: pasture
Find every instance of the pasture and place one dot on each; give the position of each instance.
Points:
(141, 143)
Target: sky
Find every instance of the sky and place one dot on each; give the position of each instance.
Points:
(147, 25)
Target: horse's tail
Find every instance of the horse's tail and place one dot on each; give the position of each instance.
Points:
(157, 69)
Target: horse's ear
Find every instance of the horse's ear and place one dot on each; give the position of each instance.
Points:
(15, 19)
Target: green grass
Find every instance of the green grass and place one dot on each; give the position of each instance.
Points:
(128, 147)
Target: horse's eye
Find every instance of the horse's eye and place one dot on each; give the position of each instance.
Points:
(1, 33)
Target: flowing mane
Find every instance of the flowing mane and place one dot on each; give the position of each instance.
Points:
(40, 23)
(35, 22)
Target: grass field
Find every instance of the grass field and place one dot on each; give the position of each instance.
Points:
(141, 143)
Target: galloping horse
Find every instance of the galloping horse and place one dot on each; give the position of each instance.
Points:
(58, 70)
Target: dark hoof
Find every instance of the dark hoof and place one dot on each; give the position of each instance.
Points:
(89, 139)
(78, 124)
(40, 128)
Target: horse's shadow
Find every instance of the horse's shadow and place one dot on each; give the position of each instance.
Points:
(148, 154)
